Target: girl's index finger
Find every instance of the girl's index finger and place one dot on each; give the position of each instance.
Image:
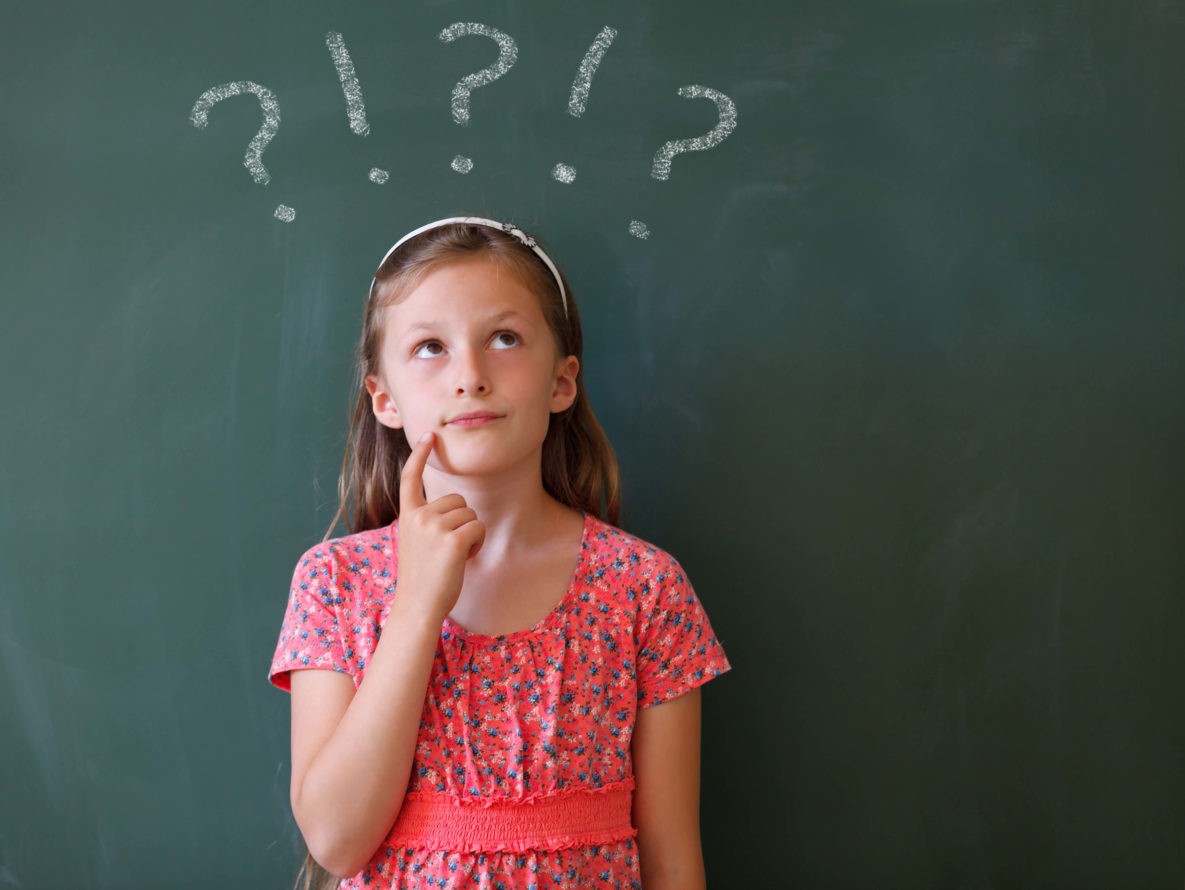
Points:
(411, 479)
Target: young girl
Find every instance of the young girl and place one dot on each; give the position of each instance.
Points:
(530, 716)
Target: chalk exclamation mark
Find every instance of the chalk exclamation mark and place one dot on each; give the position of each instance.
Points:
(580, 88)
(352, 90)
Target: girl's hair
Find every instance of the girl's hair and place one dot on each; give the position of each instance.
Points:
(579, 466)
(313, 877)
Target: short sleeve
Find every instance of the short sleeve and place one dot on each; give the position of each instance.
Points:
(677, 649)
(310, 636)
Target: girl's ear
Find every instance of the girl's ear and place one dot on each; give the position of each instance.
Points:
(384, 407)
(563, 392)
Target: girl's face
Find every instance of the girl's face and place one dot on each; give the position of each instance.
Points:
(468, 355)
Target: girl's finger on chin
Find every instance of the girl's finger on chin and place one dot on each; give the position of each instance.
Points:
(411, 479)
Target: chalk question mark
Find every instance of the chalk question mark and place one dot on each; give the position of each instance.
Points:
(661, 169)
(253, 159)
(507, 55)
(727, 123)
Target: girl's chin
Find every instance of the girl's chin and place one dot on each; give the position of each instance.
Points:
(477, 461)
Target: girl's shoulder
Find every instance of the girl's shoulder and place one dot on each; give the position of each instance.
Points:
(614, 547)
(350, 548)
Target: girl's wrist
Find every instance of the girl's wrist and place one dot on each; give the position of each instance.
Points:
(416, 611)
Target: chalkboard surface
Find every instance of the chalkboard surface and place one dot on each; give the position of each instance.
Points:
(896, 373)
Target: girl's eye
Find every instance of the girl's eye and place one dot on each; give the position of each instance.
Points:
(505, 339)
(427, 349)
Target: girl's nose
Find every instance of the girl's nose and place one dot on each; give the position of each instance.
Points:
(471, 374)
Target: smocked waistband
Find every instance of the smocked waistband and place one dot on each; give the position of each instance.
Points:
(579, 817)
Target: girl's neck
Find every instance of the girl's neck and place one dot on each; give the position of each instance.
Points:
(518, 513)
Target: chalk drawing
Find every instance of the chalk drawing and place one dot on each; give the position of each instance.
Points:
(661, 169)
(580, 87)
(507, 55)
(253, 159)
(588, 68)
(727, 123)
(352, 90)
(459, 103)
(199, 116)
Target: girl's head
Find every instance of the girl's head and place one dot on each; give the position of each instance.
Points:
(451, 271)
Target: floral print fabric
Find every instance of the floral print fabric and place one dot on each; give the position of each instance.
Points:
(542, 711)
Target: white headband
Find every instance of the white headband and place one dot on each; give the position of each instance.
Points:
(508, 228)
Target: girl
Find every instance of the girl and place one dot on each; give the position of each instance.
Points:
(530, 716)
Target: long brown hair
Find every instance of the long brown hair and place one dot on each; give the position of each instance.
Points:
(579, 466)
(313, 877)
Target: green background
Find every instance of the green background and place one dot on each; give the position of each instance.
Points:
(898, 378)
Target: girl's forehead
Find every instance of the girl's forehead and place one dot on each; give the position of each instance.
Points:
(462, 290)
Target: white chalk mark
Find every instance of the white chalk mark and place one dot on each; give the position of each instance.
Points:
(728, 121)
(462, 164)
(351, 89)
(563, 173)
(284, 213)
(378, 176)
(588, 68)
(507, 55)
(639, 230)
(253, 160)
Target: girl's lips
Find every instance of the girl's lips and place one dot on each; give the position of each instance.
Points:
(473, 419)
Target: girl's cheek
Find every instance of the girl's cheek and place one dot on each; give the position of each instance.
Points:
(418, 370)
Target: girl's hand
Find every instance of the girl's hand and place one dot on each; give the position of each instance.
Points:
(435, 539)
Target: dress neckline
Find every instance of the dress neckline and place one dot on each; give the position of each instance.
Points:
(552, 619)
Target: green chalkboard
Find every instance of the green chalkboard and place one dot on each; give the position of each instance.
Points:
(896, 374)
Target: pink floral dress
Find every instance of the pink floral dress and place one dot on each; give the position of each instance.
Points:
(525, 717)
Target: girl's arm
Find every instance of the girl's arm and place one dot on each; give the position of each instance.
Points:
(666, 755)
(352, 752)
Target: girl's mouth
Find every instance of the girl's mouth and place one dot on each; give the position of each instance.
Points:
(476, 418)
